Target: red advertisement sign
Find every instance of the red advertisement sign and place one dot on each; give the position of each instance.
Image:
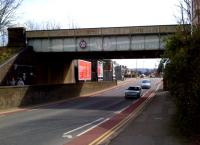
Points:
(100, 69)
(84, 70)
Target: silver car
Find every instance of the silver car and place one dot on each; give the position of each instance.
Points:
(133, 92)
(146, 84)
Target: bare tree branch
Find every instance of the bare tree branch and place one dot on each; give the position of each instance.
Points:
(31, 25)
(185, 7)
(196, 12)
(7, 12)
(51, 25)
(48, 25)
(185, 17)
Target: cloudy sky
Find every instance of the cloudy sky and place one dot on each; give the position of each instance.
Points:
(101, 13)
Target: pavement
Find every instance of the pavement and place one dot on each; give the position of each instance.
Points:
(152, 126)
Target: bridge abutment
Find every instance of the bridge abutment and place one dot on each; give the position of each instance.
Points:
(54, 69)
(16, 37)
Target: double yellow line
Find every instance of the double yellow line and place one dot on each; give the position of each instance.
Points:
(132, 115)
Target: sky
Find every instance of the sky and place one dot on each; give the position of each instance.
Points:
(101, 13)
(139, 63)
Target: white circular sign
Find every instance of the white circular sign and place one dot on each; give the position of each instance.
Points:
(83, 44)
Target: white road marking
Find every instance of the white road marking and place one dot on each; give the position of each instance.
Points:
(66, 133)
(92, 127)
(158, 87)
(32, 110)
(117, 112)
(68, 136)
(145, 93)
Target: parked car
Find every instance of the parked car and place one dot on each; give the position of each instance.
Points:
(146, 84)
(142, 75)
(133, 92)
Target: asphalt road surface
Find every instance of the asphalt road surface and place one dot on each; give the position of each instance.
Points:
(59, 123)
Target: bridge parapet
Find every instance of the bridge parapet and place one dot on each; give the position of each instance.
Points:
(112, 31)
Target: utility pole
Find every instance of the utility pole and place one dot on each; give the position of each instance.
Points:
(136, 68)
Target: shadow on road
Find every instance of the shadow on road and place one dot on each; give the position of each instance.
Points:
(109, 103)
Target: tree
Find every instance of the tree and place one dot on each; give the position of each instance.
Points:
(182, 73)
(31, 25)
(185, 11)
(48, 25)
(4, 35)
(7, 16)
(196, 12)
(51, 25)
(7, 12)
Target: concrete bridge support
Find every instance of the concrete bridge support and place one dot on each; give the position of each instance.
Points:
(59, 73)
(54, 70)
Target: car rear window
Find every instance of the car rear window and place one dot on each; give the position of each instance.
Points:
(146, 81)
(134, 88)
